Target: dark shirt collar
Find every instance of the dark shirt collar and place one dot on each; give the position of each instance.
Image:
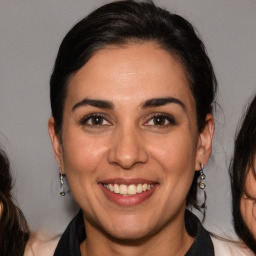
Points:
(74, 235)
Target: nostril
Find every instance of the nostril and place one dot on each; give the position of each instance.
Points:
(127, 149)
(128, 161)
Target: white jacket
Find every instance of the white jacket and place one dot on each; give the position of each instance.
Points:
(225, 248)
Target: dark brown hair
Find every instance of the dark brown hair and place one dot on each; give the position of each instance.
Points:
(13, 226)
(244, 161)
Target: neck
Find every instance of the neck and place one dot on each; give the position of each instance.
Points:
(172, 240)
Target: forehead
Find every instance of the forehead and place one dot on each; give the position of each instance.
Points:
(138, 71)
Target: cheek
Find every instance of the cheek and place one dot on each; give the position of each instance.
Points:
(82, 155)
(174, 158)
(248, 211)
(248, 206)
(177, 149)
(176, 154)
(251, 184)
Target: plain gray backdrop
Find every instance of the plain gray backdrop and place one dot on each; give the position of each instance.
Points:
(30, 34)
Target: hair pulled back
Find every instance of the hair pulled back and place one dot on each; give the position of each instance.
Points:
(124, 22)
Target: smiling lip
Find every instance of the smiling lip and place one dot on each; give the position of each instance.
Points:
(128, 192)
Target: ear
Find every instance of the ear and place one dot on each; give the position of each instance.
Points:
(56, 143)
(204, 145)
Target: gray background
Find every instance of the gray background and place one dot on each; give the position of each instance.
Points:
(30, 34)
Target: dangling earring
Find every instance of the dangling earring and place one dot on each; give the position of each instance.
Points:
(202, 178)
(62, 192)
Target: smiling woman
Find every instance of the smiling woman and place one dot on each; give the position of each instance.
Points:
(131, 95)
(111, 149)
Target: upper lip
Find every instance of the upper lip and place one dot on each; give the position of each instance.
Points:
(127, 181)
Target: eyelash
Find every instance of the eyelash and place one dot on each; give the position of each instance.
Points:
(170, 119)
(163, 117)
(84, 120)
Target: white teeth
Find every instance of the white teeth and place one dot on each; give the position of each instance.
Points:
(111, 187)
(130, 190)
(123, 189)
(116, 189)
(139, 188)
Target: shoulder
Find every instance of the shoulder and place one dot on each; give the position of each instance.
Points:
(230, 248)
(41, 245)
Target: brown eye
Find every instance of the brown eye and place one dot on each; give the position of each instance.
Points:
(96, 120)
(161, 120)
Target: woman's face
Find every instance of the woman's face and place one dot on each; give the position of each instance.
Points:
(247, 205)
(129, 125)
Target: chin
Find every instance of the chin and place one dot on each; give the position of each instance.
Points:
(127, 235)
(127, 230)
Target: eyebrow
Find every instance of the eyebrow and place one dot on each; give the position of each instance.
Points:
(104, 104)
(158, 102)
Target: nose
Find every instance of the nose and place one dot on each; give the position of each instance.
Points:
(127, 149)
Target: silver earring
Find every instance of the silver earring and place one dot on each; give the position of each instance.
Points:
(202, 178)
(62, 192)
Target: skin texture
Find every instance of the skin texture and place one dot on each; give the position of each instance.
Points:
(129, 145)
(248, 205)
